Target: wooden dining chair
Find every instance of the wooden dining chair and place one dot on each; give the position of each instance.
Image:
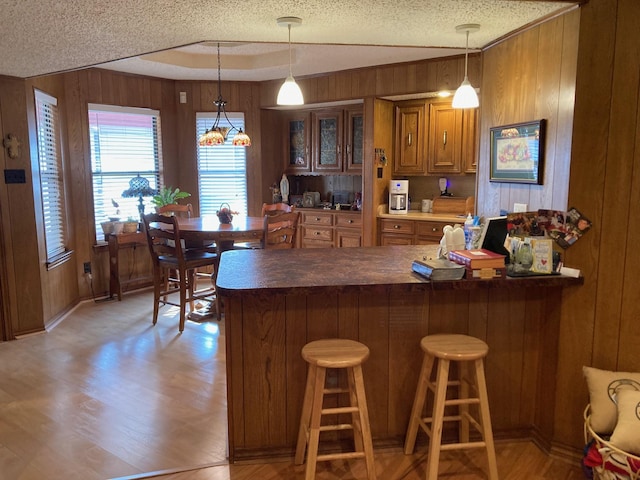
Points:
(276, 208)
(280, 230)
(186, 211)
(167, 254)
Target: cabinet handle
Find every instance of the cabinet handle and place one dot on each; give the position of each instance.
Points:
(410, 139)
(444, 139)
(349, 221)
(348, 148)
(317, 219)
(316, 233)
(434, 229)
(396, 226)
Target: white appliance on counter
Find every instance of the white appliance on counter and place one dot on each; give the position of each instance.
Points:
(398, 197)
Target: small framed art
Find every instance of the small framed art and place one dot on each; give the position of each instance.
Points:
(517, 152)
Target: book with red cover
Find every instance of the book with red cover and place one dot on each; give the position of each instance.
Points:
(477, 258)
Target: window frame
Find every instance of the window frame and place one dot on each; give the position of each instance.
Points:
(51, 179)
(102, 212)
(228, 155)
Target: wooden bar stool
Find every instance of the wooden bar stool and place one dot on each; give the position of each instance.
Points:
(441, 350)
(339, 354)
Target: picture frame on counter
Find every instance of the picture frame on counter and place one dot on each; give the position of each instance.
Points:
(517, 152)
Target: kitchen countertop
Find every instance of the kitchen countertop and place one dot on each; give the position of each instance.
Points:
(383, 212)
(303, 271)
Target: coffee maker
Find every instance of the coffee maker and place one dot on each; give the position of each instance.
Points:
(398, 197)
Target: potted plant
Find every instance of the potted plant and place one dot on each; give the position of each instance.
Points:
(130, 225)
(168, 196)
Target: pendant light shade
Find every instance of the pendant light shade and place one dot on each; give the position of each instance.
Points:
(466, 96)
(217, 135)
(290, 93)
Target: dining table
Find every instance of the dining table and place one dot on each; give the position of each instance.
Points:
(199, 231)
(208, 228)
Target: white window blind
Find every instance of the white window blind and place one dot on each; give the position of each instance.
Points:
(125, 142)
(51, 184)
(222, 169)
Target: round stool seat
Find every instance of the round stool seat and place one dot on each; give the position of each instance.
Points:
(454, 347)
(335, 353)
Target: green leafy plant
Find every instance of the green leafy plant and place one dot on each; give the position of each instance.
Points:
(168, 196)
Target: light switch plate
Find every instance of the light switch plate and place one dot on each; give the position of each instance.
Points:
(520, 207)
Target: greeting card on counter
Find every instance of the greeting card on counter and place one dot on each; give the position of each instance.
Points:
(542, 250)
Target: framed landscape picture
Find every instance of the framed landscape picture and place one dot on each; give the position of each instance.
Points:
(517, 152)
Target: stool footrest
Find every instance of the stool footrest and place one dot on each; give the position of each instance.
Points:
(336, 410)
(462, 446)
(462, 401)
(339, 456)
(335, 390)
(331, 428)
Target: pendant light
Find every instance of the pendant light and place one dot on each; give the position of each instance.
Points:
(290, 93)
(466, 96)
(217, 135)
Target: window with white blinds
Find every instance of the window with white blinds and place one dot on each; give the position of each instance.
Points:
(222, 169)
(51, 184)
(125, 142)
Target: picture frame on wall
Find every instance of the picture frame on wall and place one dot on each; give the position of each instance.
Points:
(517, 152)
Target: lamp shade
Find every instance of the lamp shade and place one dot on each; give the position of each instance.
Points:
(241, 139)
(465, 96)
(290, 93)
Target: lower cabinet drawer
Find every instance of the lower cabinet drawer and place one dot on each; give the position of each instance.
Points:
(430, 229)
(397, 226)
(317, 233)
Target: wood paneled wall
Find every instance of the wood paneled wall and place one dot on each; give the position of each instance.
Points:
(600, 324)
(529, 77)
(20, 268)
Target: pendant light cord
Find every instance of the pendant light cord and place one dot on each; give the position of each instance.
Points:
(290, 72)
(466, 55)
(219, 81)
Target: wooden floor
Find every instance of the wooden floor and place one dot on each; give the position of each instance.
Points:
(106, 395)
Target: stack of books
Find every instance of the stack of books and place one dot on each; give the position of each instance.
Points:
(479, 263)
(438, 269)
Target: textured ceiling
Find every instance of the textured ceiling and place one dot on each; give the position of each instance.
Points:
(48, 36)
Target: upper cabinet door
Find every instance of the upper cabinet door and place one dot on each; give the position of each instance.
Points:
(445, 139)
(409, 142)
(470, 140)
(297, 142)
(354, 140)
(327, 141)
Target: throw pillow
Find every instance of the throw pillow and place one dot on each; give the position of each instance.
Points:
(603, 388)
(626, 435)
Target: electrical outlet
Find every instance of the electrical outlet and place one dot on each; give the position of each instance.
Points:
(87, 267)
(520, 207)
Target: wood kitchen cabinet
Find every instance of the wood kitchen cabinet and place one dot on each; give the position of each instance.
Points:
(433, 138)
(330, 229)
(452, 139)
(470, 139)
(396, 232)
(410, 232)
(354, 139)
(410, 127)
(297, 140)
(325, 141)
(348, 232)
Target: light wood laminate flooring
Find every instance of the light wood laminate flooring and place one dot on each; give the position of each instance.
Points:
(106, 395)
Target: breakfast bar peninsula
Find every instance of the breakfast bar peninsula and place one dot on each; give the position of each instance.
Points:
(276, 301)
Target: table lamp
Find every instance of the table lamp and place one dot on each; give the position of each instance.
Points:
(139, 187)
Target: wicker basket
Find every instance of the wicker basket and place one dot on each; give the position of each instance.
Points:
(623, 463)
(224, 214)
